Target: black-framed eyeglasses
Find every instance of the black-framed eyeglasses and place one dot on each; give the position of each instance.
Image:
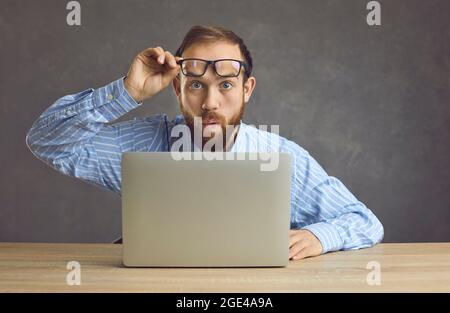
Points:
(223, 67)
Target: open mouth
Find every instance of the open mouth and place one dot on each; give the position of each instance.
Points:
(210, 122)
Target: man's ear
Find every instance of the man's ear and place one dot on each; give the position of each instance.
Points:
(249, 86)
(176, 84)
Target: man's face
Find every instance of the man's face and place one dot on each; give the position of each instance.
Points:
(219, 101)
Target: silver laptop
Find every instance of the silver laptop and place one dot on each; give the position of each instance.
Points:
(197, 212)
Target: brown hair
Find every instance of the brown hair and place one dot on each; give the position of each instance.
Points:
(201, 33)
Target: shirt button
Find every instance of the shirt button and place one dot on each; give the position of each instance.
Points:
(110, 97)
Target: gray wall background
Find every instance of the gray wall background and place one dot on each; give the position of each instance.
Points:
(371, 104)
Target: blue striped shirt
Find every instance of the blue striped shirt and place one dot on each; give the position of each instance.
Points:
(76, 137)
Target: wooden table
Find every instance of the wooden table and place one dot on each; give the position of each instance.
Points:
(32, 267)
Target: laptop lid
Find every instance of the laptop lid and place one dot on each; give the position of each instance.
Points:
(205, 213)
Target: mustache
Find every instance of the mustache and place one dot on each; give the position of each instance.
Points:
(213, 116)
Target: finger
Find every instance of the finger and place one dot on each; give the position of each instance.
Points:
(299, 246)
(292, 241)
(161, 55)
(295, 238)
(303, 253)
(154, 53)
(161, 59)
(170, 59)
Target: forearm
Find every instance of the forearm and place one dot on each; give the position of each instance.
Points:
(348, 231)
(62, 134)
(75, 118)
(330, 211)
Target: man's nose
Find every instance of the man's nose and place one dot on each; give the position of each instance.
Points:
(211, 101)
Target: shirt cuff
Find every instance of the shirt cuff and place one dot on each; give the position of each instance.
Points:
(328, 236)
(116, 98)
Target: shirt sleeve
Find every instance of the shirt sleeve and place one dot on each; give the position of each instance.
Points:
(329, 210)
(73, 136)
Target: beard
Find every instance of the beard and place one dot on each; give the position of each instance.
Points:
(234, 121)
